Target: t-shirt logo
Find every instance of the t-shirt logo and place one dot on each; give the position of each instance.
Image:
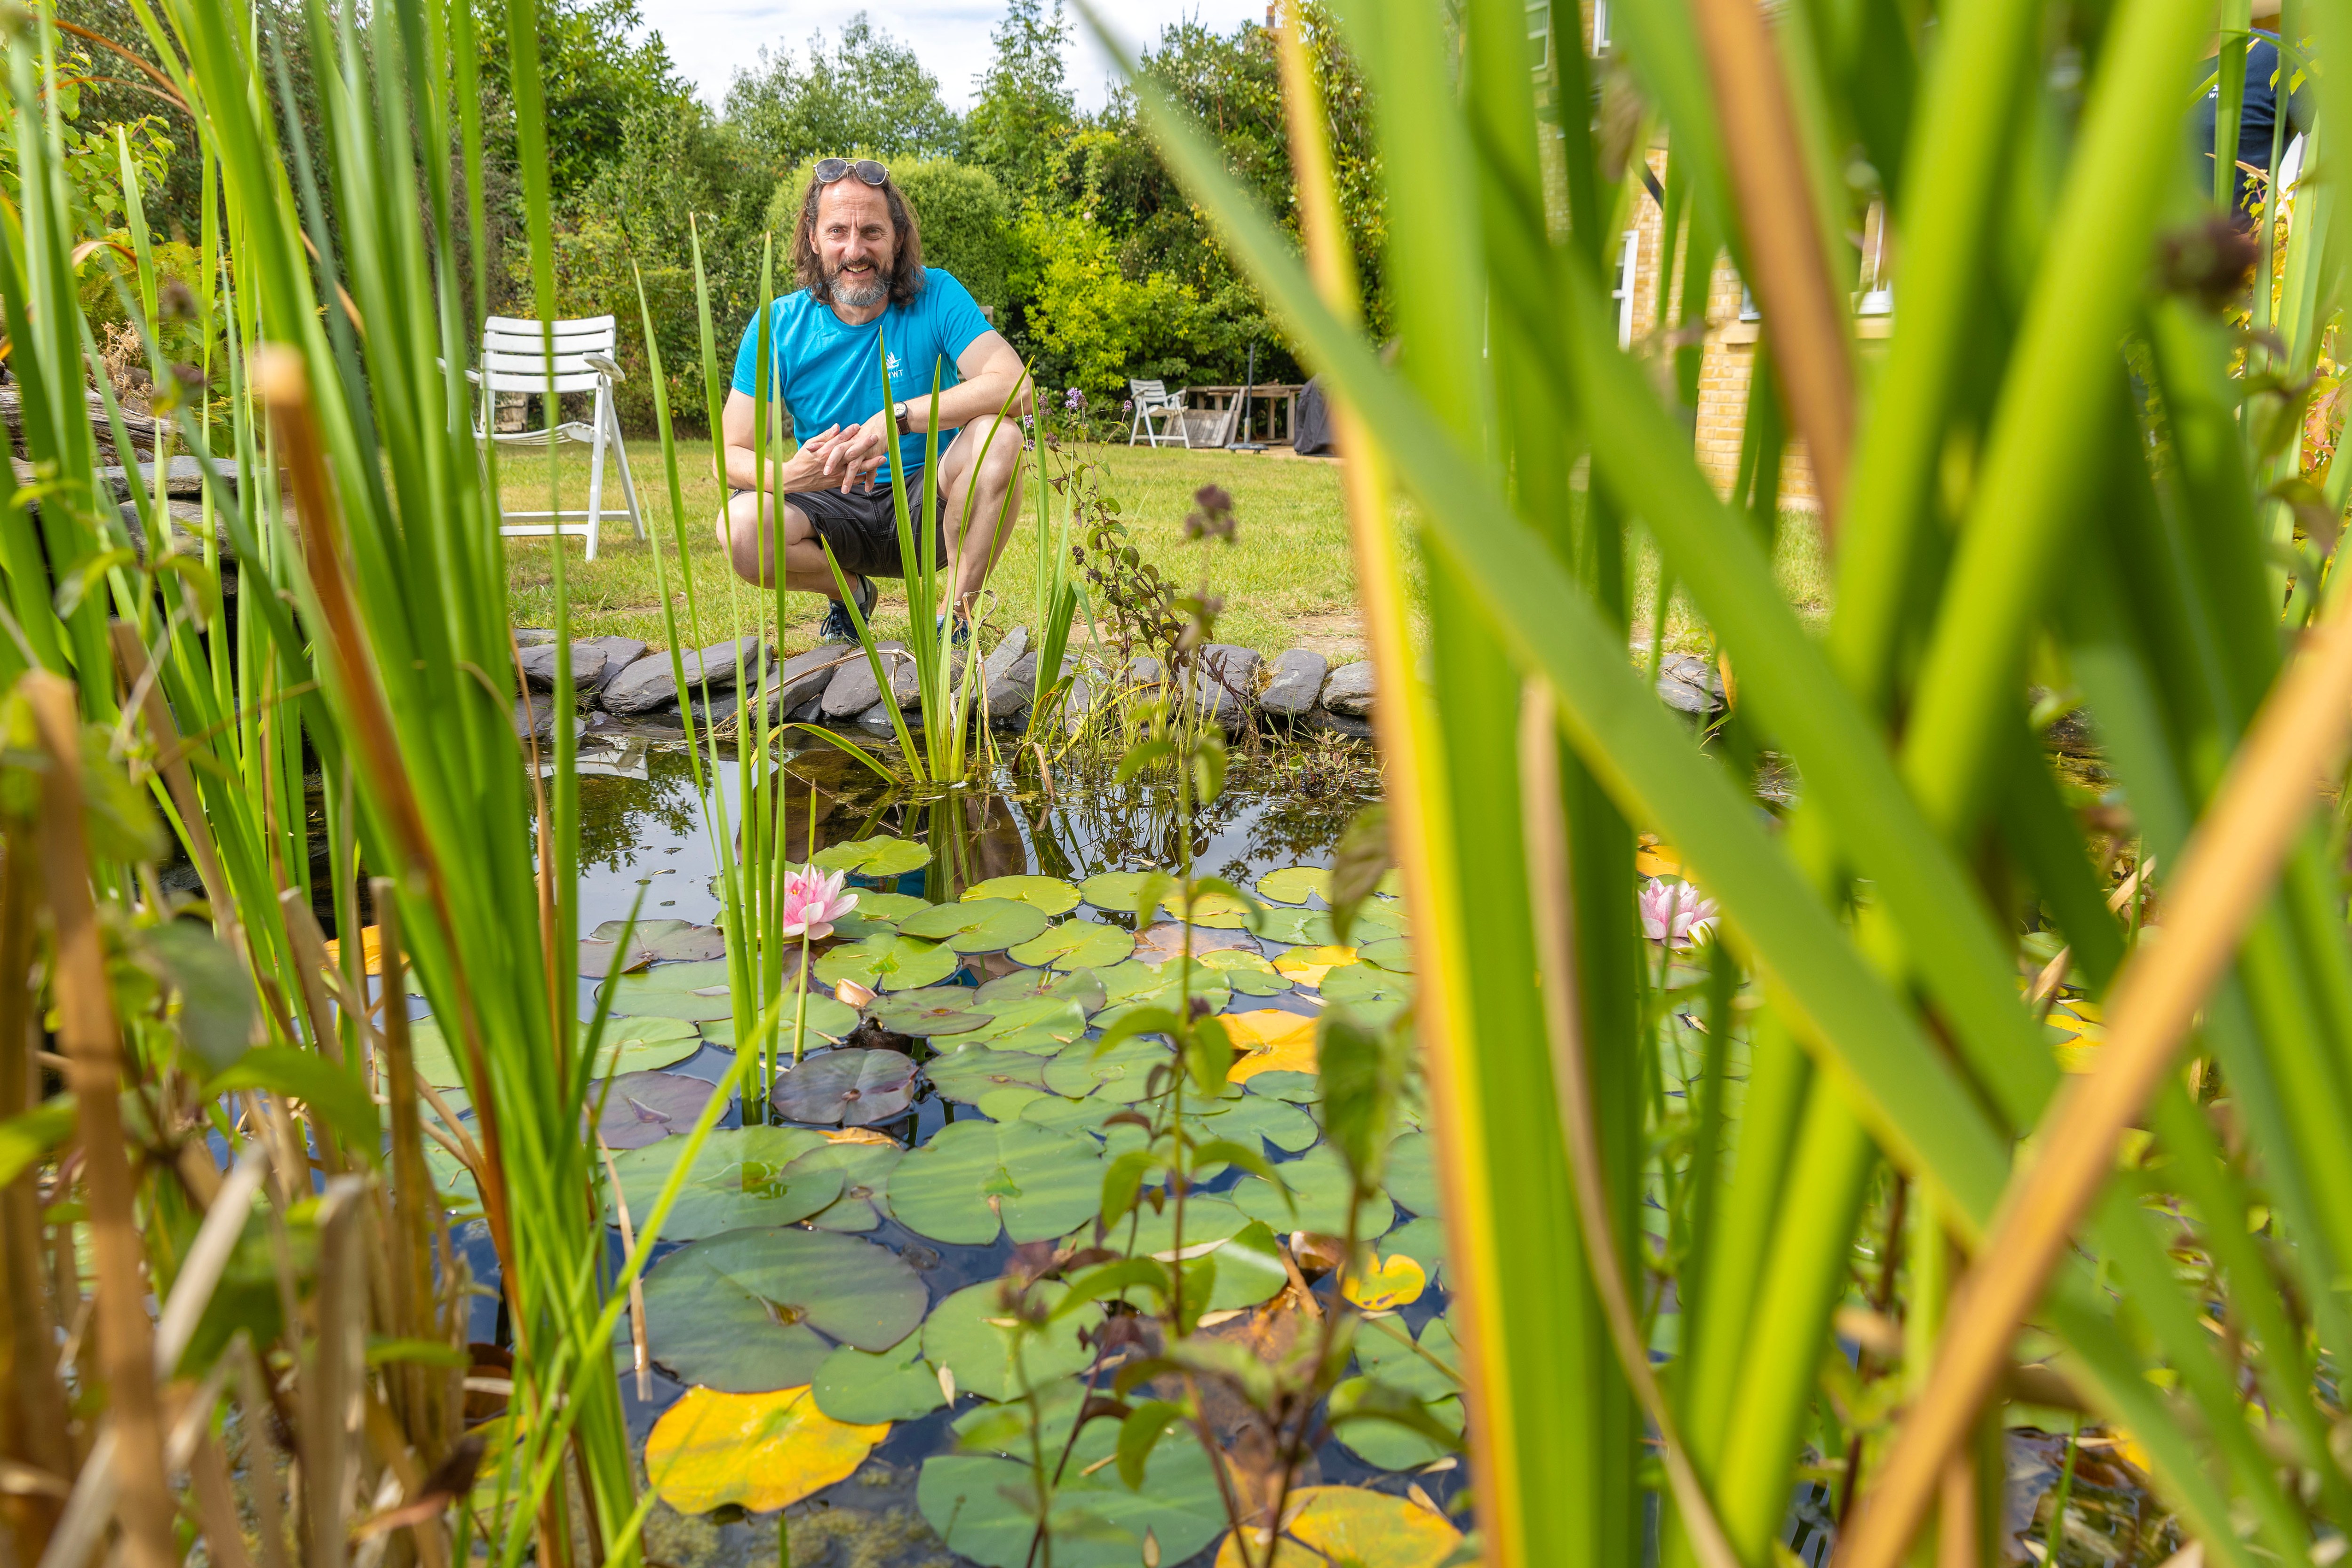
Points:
(896, 370)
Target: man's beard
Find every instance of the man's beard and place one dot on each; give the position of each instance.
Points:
(857, 296)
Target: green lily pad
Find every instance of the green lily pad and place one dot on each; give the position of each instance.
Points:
(741, 1177)
(1207, 1218)
(859, 928)
(1387, 1350)
(1318, 1185)
(1422, 1240)
(1413, 1172)
(1075, 944)
(1393, 954)
(753, 1310)
(695, 992)
(1249, 1269)
(1385, 1446)
(955, 1187)
(1065, 1115)
(667, 939)
(978, 925)
(1122, 1073)
(630, 1045)
(855, 1087)
(1213, 911)
(865, 1170)
(642, 1107)
(1295, 1087)
(889, 908)
(1208, 986)
(1389, 915)
(882, 856)
(1006, 1101)
(822, 1019)
(889, 963)
(1295, 884)
(1115, 890)
(1097, 1521)
(1042, 1024)
(1372, 993)
(1300, 928)
(932, 1010)
(974, 1073)
(1047, 895)
(1247, 973)
(1080, 985)
(1284, 1126)
(966, 1334)
(866, 1389)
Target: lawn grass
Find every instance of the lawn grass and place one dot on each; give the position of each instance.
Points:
(1287, 579)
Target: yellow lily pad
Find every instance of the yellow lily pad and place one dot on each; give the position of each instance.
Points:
(1356, 1526)
(759, 1451)
(1652, 858)
(1307, 965)
(1271, 1039)
(1391, 1282)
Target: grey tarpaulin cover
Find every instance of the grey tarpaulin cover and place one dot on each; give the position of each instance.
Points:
(1313, 435)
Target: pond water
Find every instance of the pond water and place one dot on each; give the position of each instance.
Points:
(854, 1251)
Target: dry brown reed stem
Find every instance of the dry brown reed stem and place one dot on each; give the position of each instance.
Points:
(93, 1044)
(2224, 877)
(1554, 915)
(419, 1394)
(33, 1428)
(284, 384)
(170, 761)
(1802, 301)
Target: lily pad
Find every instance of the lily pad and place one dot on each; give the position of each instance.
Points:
(1372, 993)
(1311, 966)
(630, 1045)
(1300, 927)
(1249, 1269)
(1422, 1240)
(642, 1107)
(667, 939)
(1247, 973)
(932, 1010)
(975, 1177)
(1270, 1039)
(1318, 1185)
(1283, 1084)
(1115, 890)
(889, 963)
(1386, 1351)
(755, 1451)
(1392, 1281)
(821, 1016)
(1097, 1521)
(889, 909)
(741, 1177)
(977, 925)
(1295, 884)
(757, 1309)
(1207, 986)
(967, 1333)
(1041, 1025)
(1388, 915)
(695, 992)
(1391, 952)
(859, 1386)
(882, 856)
(1219, 911)
(1065, 1115)
(1080, 985)
(971, 1074)
(1413, 1172)
(1285, 1126)
(865, 1170)
(1047, 894)
(1207, 1218)
(1359, 1527)
(857, 1088)
(1122, 1074)
(599, 959)
(1164, 943)
(1075, 944)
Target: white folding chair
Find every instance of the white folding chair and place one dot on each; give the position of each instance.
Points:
(515, 359)
(1152, 400)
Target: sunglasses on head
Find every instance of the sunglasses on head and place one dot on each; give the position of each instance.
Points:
(831, 169)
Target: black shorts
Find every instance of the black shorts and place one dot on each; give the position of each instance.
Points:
(861, 526)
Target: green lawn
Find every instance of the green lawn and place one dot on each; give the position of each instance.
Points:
(1287, 580)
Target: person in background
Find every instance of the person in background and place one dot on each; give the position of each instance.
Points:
(2256, 124)
(858, 251)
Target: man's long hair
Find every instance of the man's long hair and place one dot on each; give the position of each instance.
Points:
(906, 253)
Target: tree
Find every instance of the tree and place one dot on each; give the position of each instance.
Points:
(1026, 114)
(595, 76)
(868, 94)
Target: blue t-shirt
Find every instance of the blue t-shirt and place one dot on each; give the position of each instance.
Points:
(828, 372)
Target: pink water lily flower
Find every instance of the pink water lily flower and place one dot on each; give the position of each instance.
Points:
(812, 902)
(1675, 913)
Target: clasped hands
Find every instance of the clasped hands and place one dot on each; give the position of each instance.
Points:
(838, 457)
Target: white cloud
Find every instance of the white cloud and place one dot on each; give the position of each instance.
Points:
(711, 39)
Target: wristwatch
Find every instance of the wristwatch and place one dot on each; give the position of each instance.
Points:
(898, 416)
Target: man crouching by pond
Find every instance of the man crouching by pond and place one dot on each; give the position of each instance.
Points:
(859, 257)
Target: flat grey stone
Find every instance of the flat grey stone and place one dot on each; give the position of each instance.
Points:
(1693, 670)
(1143, 671)
(532, 637)
(539, 666)
(1684, 698)
(650, 682)
(1348, 690)
(1226, 683)
(1006, 654)
(853, 689)
(1297, 682)
(808, 712)
(619, 654)
(1340, 725)
(184, 477)
(535, 715)
(877, 718)
(805, 675)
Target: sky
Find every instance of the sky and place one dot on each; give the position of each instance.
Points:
(710, 39)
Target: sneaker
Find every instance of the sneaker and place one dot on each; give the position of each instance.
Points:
(838, 627)
(962, 636)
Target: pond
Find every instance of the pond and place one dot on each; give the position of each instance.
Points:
(825, 1321)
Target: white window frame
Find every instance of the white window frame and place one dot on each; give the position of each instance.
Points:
(1629, 256)
(1599, 28)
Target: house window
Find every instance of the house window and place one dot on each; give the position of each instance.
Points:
(1599, 28)
(1538, 34)
(1878, 291)
(1748, 310)
(1628, 255)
